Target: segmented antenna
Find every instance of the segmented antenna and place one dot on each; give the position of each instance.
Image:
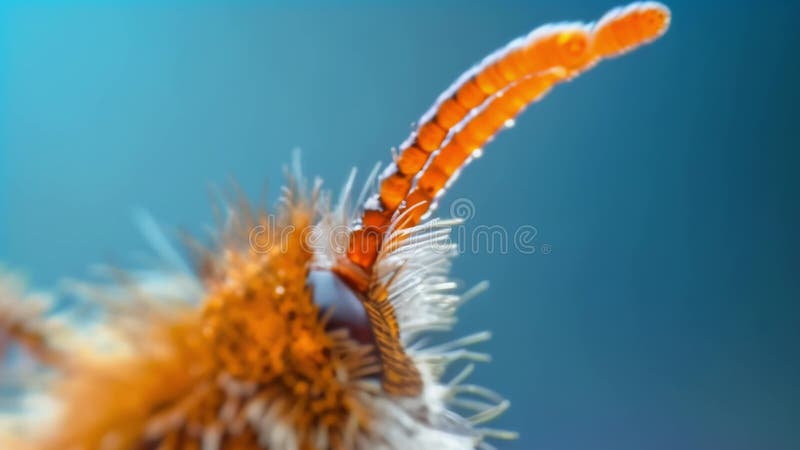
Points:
(464, 118)
(469, 113)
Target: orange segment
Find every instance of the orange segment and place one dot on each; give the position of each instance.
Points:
(411, 160)
(375, 218)
(432, 181)
(624, 29)
(450, 113)
(450, 158)
(417, 204)
(430, 136)
(394, 189)
(470, 95)
(490, 80)
(363, 246)
(558, 46)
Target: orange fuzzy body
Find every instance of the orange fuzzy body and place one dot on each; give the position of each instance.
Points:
(258, 326)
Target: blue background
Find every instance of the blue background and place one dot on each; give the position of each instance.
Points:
(665, 182)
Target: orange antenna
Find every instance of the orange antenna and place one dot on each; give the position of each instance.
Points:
(617, 32)
(543, 49)
(482, 100)
(462, 120)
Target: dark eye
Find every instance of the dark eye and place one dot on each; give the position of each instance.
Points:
(335, 298)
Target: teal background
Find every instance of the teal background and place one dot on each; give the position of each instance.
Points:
(666, 184)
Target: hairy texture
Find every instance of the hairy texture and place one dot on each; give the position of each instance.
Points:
(278, 341)
(22, 319)
(242, 358)
(251, 366)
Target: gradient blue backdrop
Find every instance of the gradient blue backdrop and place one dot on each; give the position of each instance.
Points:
(666, 184)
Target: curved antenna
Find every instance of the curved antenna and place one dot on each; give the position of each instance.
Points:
(462, 120)
(482, 100)
(617, 32)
